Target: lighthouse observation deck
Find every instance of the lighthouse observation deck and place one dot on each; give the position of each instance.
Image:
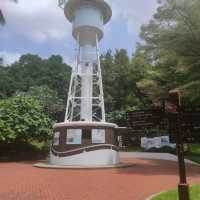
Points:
(70, 7)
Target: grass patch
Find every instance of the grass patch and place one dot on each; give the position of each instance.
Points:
(195, 148)
(194, 153)
(135, 149)
(194, 158)
(173, 194)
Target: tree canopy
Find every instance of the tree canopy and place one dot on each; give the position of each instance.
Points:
(31, 70)
(172, 43)
(2, 18)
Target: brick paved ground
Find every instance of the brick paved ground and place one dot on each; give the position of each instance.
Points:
(21, 181)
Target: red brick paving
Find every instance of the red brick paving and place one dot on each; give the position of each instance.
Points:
(21, 181)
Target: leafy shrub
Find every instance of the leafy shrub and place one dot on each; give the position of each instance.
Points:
(53, 105)
(164, 149)
(22, 119)
(118, 117)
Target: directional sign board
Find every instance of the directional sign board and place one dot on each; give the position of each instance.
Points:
(146, 120)
(189, 121)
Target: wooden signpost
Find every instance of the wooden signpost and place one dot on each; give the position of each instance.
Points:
(183, 187)
(183, 125)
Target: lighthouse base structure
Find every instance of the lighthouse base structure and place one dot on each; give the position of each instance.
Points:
(84, 144)
(94, 158)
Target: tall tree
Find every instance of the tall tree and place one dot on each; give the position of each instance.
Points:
(121, 76)
(107, 64)
(31, 71)
(2, 18)
(114, 69)
(172, 42)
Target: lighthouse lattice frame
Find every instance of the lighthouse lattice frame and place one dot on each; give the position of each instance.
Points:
(78, 103)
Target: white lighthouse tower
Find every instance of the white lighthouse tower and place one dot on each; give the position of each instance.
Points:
(84, 138)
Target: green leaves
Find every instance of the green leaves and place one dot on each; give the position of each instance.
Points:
(2, 19)
(118, 117)
(33, 71)
(52, 104)
(46, 79)
(172, 43)
(22, 119)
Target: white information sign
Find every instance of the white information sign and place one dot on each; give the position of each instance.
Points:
(56, 138)
(98, 136)
(156, 142)
(74, 136)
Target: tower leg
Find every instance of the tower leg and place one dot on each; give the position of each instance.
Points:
(87, 82)
(100, 81)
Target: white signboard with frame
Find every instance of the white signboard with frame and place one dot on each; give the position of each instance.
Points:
(98, 136)
(56, 138)
(74, 136)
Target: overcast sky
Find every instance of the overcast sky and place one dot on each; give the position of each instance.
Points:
(40, 27)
